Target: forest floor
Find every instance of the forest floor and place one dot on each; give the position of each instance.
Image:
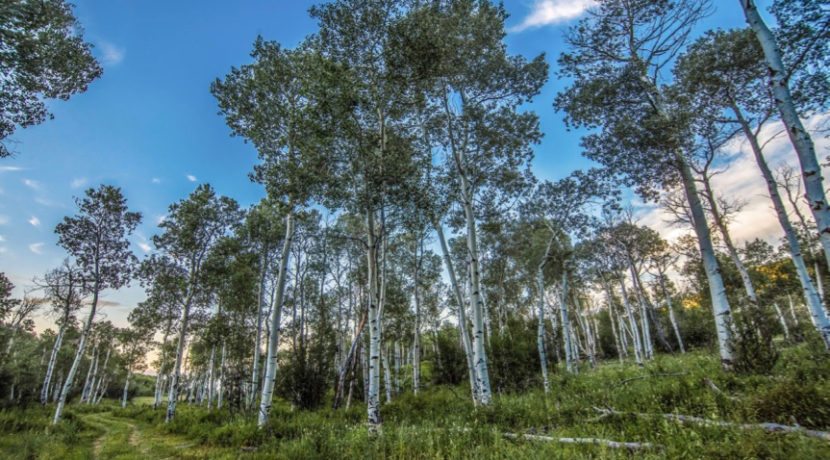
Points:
(441, 423)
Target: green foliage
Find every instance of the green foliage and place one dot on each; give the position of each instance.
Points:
(514, 357)
(450, 362)
(753, 346)
(44, 57)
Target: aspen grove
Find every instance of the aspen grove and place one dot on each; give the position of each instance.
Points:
(409, 284)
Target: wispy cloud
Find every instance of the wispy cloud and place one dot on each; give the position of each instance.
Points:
(34, 221)
(32, 184)
(2, 239)
(742, 179)
(78, 182)
(155, 180)
(46, 202)
(111, 54)
(36, 248)
(191, 178)
(10, 168)
(4, 219)
(160, 218)
(547, 12)
(145, 247)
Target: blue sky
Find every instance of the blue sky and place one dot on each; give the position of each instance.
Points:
(150, 125)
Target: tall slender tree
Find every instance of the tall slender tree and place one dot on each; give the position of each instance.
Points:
(96, 238)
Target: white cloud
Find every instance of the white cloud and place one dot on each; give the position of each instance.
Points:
(111, 54)
(191, 178)
(547, 12)
(34, 221)
(145, 247)
(36, 248)
(10, 168)
(78, 182)
(743, 181)
(160, 218)
(4, 219)
(2, 239)
(155, 180)
(32, 184)
(3, 250)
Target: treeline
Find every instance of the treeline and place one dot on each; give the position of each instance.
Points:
(405, 122)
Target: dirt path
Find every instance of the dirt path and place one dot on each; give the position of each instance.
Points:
(124, 439)
(120, 439)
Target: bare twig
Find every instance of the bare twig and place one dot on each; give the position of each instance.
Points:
(709, 383)
(692, 420)
(671, 374)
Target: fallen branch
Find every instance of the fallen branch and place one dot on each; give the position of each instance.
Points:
(709, 383)
(692, 420)
(672, 374)
(594, 441)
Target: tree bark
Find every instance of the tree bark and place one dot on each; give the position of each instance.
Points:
(50, 368)
(565, 323)
(126, 388)
(672, 317)
(373, 384)
(254, 385)
(79, 353)
(462, 317)
(274, 336)
(632, 322)
(717, 290)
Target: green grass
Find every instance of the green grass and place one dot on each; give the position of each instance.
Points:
(442, 423)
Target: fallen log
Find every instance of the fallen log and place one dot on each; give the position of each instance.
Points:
(595, 441)
(692, 420)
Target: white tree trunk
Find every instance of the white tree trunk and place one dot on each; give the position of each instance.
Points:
(274, 336)
(50, 368)
(792, 310)
(173, 395)
(90, 374)
(632, 323)
(387, 375)
(717, 290)
(462, 317)
(220, 391)
(416, 340)
(540, 329)
(565, 323)
(126, 388)
(782, 321)
(96, 385)
(648, 344)
(373, 295)
(799, 137)
(672, 318)
(210, 376)
(79, 353)
(479, 352)
(160, 377)
(258, 337)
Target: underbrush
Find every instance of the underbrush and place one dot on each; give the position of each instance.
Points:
(441, 422)
(29, 434)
